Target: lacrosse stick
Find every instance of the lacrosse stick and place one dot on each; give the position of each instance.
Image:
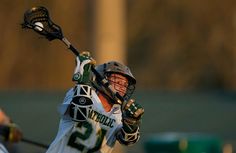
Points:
(37, 18)
(34, 143)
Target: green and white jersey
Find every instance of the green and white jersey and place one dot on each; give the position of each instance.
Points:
(96, 134)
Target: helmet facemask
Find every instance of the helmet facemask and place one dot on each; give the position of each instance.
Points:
(113, 67)
(121, 84)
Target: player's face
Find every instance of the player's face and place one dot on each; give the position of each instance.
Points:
(119, 83)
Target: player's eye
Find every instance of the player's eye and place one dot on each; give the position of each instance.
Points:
(118, 81)
(122, 83)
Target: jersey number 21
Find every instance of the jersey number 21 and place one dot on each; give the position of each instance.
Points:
(83, 136)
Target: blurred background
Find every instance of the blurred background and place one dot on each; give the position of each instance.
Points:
(182, 53)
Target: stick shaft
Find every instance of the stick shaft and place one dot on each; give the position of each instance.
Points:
(34, 143)
(69, 45)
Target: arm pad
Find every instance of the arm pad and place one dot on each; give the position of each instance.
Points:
(81, 102)
(128, 138)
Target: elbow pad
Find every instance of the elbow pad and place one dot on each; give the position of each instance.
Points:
(128, 138)
(81, 103)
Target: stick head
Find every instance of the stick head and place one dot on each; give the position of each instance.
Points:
(37, 18)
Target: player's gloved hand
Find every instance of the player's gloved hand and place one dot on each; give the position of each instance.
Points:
(132, 114)
(82, 73)
(15, 134)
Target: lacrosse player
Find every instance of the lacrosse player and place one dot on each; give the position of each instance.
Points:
(91, 120)
(9, 132)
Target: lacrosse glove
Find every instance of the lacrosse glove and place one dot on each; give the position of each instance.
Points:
(11, 133)
(15, 134)
(82, 73)
(131, 118)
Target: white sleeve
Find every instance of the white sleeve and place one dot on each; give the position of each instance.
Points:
(3, 149)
